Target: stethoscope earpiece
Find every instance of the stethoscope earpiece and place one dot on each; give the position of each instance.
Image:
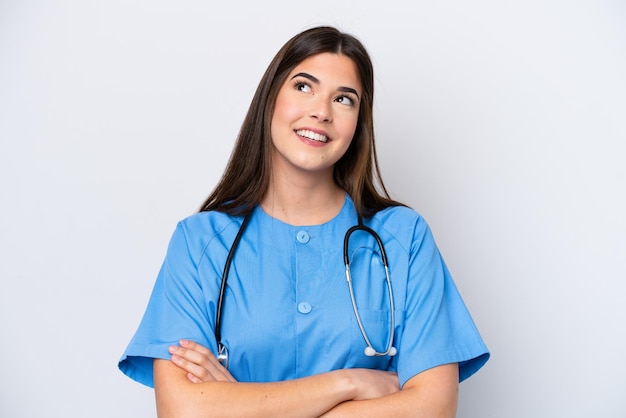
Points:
(369, 351)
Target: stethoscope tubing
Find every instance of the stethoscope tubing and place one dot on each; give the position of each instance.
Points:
(222, 351)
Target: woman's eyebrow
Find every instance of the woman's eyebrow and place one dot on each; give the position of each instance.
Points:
(316, 81)
(348, 90)
(307, 76)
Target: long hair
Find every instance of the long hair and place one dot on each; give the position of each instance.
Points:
(247, 176)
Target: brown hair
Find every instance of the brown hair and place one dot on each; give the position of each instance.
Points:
(247, 175)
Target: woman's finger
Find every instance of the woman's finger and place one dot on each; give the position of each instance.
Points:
(195, 353)
(192, 345)
(200, 362)
(193, 379)
(204, 373)
(199, 354)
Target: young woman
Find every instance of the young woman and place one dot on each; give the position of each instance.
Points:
(309, 328)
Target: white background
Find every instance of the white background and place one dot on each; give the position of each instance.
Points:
(502, 122)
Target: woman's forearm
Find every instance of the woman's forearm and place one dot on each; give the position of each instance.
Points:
(312, 396)
(430, 394)
(195, 384)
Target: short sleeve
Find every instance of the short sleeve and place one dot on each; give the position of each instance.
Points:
(175, 310)
(438, 328)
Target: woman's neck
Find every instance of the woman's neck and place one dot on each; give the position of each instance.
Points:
(303, 201)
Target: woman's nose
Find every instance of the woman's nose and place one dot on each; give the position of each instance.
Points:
(321, 110)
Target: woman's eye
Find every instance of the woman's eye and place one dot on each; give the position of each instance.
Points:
(345, 100)
(303, 87)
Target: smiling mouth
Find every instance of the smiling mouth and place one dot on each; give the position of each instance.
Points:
(312, 135)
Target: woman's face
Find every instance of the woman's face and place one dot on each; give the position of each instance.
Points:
(316, 113)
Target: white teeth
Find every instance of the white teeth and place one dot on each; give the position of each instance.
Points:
(312, 135)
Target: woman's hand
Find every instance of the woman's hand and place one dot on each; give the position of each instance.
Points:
(199, 363)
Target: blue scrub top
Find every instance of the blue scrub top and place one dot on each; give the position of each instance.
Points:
(287, 310)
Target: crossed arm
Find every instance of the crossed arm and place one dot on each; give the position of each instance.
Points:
(194, 384)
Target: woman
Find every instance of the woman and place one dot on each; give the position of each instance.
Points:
(302, 173)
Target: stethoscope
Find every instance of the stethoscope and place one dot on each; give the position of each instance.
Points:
(370, 351)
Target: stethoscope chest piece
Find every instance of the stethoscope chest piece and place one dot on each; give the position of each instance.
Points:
(222, 354)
